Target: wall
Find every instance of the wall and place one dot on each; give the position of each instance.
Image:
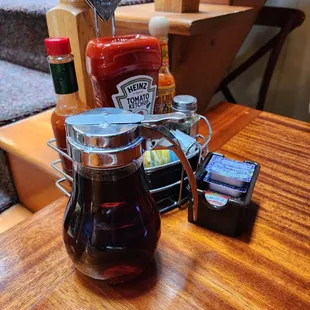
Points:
(289, 92)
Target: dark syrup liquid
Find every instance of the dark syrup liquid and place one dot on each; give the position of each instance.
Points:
(112, 225)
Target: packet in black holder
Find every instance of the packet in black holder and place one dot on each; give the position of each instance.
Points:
(222, 205)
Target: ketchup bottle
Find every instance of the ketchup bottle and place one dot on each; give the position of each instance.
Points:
(124, 72)
(67, 92)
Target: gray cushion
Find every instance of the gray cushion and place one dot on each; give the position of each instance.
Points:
(23, 29)
(23, 92)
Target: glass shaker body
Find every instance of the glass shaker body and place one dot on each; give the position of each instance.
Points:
(111, 225)
(191, 125)
(187, 105)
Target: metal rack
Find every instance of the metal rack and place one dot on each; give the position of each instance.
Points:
(165, 205)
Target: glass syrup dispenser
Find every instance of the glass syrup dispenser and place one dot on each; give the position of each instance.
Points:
(112, 224)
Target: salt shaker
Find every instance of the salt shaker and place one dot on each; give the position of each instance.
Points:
(187, 105)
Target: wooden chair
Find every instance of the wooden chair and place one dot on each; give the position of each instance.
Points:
(287, 20)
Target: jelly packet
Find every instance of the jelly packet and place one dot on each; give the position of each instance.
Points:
(230, 172)
(227, 189)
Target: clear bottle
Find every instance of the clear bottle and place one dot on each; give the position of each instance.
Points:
(111, 223)
(159, 28)
(68, 101)
(187, 105)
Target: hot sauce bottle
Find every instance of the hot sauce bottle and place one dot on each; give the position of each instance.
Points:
(124, 72)
(159, 28)
(67, 92)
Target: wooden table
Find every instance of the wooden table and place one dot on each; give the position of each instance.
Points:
(265, 268)
(202, 45)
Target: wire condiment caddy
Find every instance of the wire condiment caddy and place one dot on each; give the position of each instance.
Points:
(167, 197)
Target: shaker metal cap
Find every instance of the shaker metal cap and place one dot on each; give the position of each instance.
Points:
(184, 103)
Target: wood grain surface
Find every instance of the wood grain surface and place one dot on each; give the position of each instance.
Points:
(38, 193)
(226, 120)
(31, 158)
(197, 42)
(34, 149)
(200, 62)
(13, 216)
(250, 3)
(136, 18)
(177, 6)
(267, 267)
(281, 233)
(32, 258)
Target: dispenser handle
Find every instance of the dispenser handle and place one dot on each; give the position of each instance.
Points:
(125, 119)
(175, 117)
(132, 119)
(159, 132)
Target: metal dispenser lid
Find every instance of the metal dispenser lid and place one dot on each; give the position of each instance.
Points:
(95, 141)
(109, 137)
(96, 128)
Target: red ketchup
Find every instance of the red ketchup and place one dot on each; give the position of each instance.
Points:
(124, 72)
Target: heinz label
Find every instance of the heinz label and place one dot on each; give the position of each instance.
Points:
(136, 94)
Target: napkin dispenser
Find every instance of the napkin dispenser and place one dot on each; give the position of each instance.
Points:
(222, 207)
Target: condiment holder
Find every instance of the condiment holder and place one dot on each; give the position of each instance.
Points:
(167, 183)
(225, 190)
(222, 199)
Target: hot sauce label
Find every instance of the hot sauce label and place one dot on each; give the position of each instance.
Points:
(164, 54)
(64, 78)
(165, 96)
(136, 94)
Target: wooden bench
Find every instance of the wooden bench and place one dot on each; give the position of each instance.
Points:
(202, 45)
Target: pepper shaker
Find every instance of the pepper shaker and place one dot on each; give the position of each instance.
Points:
(187, 105)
